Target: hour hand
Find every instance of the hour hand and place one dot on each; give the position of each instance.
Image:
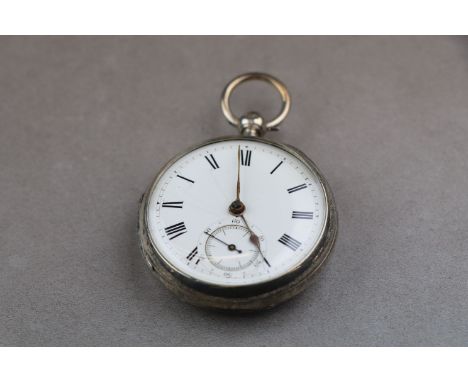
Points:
(255, 240)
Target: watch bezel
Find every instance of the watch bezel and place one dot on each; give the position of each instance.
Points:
(253, 296)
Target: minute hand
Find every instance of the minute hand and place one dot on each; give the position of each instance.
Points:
(237, 207)
(238, 174)
(255, 240)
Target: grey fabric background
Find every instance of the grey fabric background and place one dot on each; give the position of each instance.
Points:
(85, 123)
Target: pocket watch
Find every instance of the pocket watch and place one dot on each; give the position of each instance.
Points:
(238, 222)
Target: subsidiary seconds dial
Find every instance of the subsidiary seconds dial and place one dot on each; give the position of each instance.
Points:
(228, 248)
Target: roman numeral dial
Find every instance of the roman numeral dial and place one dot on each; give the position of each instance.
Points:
(175, 230)
(276, 167)
(246, 156)
(172, 204)
(186, 179)
(297, 188)
(195, 231)
(212, 161)
(302, 215)
(192, 254)
(289, 242)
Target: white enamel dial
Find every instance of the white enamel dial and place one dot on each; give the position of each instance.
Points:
(190, 225)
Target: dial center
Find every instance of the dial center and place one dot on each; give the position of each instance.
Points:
(232, 247)
(237, 208)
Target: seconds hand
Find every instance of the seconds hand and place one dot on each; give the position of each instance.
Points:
(231, 247)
